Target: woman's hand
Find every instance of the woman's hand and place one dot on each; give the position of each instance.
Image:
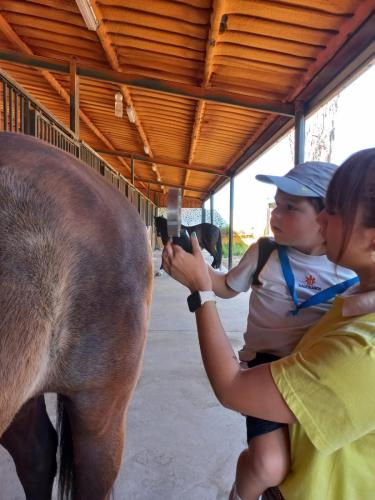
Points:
(189, 269)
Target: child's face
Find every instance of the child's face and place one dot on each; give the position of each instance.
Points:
(294, 223)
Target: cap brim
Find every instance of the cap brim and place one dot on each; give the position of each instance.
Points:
(287, 185)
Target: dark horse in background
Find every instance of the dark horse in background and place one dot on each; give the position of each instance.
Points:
(76, 278)
(208, 235)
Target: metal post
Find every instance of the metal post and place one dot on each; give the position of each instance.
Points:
(203, 214)
(74, 97)
(211, 208)
(132, 169)
(148, 221)
(299, 133)
(5, 107)
(10, 103)
(231, 205)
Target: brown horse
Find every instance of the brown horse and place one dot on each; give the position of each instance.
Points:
(75, 291)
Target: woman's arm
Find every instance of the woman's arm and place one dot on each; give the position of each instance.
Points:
(250, 391)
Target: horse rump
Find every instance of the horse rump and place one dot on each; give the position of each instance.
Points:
(76, 274)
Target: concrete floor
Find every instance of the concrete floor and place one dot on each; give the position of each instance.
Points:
(181, 443)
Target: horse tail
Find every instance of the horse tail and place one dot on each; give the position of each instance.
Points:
(65, 451)
(219, 251)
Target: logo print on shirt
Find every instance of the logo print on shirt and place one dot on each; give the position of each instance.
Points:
(309, 282)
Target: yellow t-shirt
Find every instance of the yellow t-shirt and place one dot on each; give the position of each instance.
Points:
(329, 384)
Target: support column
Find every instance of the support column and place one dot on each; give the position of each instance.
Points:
(299, 133)
(231, 205)
(148, 202)
(203, 214)
(74, 97)
(211, 208)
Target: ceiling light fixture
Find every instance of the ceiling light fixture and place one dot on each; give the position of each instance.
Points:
(131, 114)
(88, 14)
(146, 149)
(118, 105)
(154, 167)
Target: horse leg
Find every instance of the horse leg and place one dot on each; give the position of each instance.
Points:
(31, 440)
(211, 249)
(97, 421)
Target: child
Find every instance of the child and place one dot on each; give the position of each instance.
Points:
(324, 387)
(296, 287)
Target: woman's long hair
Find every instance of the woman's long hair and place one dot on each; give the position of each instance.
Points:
(353, 187)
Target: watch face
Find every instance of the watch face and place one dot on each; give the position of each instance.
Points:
(194, 301)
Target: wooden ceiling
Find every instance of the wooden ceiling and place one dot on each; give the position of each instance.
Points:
(211, 81)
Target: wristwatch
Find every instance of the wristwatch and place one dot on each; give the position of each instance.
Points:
(197, 299)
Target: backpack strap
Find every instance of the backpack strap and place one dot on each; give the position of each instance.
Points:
(266, 247)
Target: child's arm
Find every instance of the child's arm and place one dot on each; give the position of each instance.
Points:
(219, 284)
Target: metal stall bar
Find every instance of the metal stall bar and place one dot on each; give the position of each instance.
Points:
(230, 235)
(299, 133)
(74, 98)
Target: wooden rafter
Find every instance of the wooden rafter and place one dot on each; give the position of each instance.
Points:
(218, 10)
(159, 183)
(163, 161)
(112, 58)
(334, 45)
(215, 95)
(12, 36)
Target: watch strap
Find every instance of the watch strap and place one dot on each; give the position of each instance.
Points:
(198, 298)
(207, 296)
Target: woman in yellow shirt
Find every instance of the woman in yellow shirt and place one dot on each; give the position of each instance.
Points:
(324, 389)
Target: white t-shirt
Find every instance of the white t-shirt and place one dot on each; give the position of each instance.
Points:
(270, 327)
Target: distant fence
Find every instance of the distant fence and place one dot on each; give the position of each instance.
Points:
(20, 113)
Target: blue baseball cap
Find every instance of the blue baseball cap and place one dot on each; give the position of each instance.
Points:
(310, 179)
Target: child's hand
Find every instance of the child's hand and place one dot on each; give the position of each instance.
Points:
(189, 269)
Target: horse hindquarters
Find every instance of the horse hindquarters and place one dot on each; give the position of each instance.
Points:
(73, 255)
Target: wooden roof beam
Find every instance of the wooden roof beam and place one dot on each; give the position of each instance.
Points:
(215, 95)
(195, 198)
(160, 183)
(161, 160)
(112, 58)
(218, 10)
(12, 36)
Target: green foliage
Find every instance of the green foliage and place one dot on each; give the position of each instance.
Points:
(238, 249)
(239, 246)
